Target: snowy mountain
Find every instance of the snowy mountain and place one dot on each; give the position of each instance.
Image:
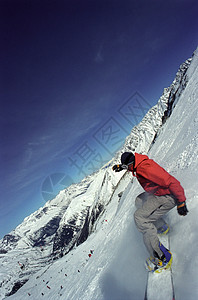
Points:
(84, 244)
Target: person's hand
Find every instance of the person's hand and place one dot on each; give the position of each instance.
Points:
(117, 168)
(182, 209)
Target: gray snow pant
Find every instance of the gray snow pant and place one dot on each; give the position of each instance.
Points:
(148, 218)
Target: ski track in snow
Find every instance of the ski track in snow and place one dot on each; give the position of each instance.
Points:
(115, 270)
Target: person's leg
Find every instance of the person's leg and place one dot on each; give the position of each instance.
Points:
(140, 200)
(151, 211)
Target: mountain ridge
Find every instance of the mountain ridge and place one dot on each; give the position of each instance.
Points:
(67, 220)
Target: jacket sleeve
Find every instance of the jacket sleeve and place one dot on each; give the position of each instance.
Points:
(155, 173)
(176, 189)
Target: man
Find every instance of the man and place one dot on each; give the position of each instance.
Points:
(162, 193)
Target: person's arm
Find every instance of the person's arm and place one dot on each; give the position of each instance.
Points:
(118, 168)
(155, 173)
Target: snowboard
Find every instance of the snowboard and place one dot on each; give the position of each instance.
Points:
(160, 282)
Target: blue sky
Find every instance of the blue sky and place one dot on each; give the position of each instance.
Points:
(69, 70)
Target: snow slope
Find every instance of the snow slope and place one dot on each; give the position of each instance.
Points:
(115, 269)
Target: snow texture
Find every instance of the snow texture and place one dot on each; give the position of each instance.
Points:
(109, 264)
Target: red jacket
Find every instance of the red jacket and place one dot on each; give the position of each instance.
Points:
(154, 179)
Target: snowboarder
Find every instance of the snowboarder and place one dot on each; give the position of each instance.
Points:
(162, 193)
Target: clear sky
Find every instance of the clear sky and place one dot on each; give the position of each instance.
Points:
(69, 72)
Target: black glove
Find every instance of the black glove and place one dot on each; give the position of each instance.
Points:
(117, 168)
(182, 209)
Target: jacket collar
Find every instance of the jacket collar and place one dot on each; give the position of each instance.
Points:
(139, 158)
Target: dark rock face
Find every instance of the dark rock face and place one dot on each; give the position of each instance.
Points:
(10, 239)
(3, 251)
(96, 213)
(71, 234)
(63, 238)
(44, 211)
(176, 89)
(84, 233)
(16, 287)
(48, 230)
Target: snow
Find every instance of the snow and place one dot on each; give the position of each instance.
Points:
(115, 270)
(177, 150)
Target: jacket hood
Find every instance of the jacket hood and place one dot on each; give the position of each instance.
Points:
(139, 158)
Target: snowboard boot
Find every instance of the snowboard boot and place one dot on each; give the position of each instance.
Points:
(163, 230)
(157, 264)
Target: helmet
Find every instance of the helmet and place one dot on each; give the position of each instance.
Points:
(127, 158)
